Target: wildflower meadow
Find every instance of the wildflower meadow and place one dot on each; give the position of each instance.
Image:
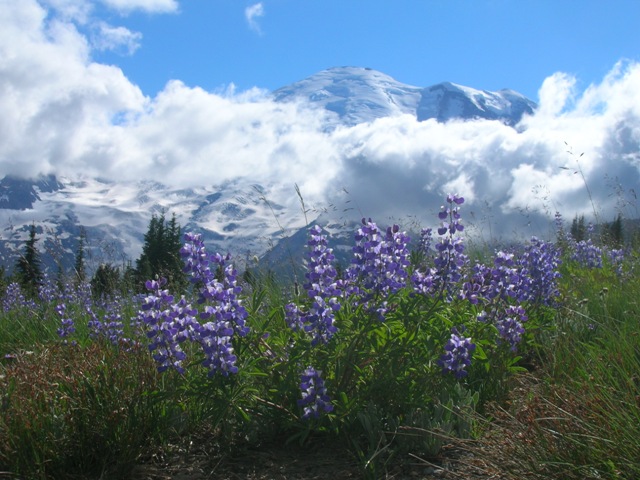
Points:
(529, 355)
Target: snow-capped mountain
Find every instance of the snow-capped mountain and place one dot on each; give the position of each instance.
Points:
(240, 216)
(358, 95)
(233, 217)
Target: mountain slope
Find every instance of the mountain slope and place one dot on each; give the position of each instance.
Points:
(234, 217)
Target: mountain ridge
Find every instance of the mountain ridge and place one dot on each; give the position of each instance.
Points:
(360, 94)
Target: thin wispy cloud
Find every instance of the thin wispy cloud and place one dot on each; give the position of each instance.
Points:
(118, 39)
(252, 13)
(150, 6)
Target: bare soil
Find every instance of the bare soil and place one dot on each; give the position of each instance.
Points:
(195, 460)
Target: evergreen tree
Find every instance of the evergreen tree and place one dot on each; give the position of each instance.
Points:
(128, 282)
(28, 268)
(79, 267)
(106, 280)
(3, 280)
(578, 228)
(614, 234)
(161, 253)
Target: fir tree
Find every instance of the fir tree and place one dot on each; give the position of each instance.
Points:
(79, 267)
(578, 228)
(614, 234)
(161, 253)
(28, 267)
(3, 280)
(106, 280)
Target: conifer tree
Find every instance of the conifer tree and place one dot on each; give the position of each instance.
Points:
(79, 267)
(578, 228)
(3, 280)
(161, 253)
(614, 232)
(28, 265)
(106, 280)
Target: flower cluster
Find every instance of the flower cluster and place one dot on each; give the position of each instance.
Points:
(223, 311)
(314, 399)
(587, 254)
(112, 328)
(616, 258)
(196, 258)
(166, 327)
(500, 283)
(67, 327)
(539, 262)
(322, 288)
(379, 265)
(47, 290)
(510, 327)
(424, 244)
(457, 356)
(450, 259)
(13, 297)
(77, 294)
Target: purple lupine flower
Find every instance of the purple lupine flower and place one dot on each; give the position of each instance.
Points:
(215, 339)
(450, 258)
(457, 356)
(510, 327)
(227, 305)
(294, 317)
(111, 327)
(616, 258)
(315, 400)
(114, 327)
(539, 262)
(425, 283)
(379, 265)
(223, 308)
(47, 290)
(95, 326)
(196, 258)
(322, 288)
(67, 327)
(166, 330)
(500, 283)
(13, 297)
(561, 235)
(587, 254)
(77, 295)
(426, 237)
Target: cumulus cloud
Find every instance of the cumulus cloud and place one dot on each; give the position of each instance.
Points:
(66, 114)
(252, 13)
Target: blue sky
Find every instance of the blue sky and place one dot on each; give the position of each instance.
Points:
(141, 89)
(485, 44)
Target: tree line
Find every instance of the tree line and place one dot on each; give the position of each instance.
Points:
(160, 257)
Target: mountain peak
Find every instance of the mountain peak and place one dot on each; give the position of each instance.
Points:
(359, 94)
(354, 94)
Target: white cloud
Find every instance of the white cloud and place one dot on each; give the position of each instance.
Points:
(252, 13)
(76, 10)
(554, 94)
(121, 39)
(151, 6)
(64, 114)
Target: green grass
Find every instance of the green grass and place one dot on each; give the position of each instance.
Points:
(93, 409)
(578, 417)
